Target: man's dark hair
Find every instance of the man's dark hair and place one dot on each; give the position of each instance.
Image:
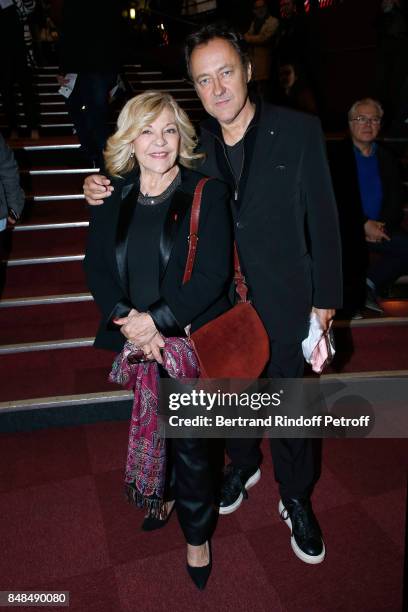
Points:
(211, 31)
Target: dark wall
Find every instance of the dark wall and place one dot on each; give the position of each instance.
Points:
(348, 42)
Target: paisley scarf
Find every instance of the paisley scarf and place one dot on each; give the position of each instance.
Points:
(146, 455)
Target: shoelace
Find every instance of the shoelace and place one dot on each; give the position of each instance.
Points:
(233, 482)
(302, 521)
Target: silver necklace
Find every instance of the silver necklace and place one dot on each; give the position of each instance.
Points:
(147, 200)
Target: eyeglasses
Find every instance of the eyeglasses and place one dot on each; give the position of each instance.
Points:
(363, 120)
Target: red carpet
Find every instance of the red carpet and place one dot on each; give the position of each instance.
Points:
(47, 279)
(56, 372)
(56, 211)
(84, 370)
(49, 322)
(66, 525)
(47, 243)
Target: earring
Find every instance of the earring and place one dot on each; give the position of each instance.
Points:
(132, 154)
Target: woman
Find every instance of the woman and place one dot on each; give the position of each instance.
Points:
(294, 90)
(135, 261)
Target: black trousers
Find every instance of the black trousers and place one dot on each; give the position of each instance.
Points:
(189, 481)
(14, 69)
(293, 458)
(393, 262)
(88, 106)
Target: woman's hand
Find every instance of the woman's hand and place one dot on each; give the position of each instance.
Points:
(138, 327)
(152, 349)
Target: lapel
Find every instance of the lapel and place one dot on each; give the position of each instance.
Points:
(126, 211)
(179, 205)
(260, 156)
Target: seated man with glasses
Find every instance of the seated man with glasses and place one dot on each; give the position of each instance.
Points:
(370, 196)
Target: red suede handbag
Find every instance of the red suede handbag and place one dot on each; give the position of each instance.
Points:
(235, 344)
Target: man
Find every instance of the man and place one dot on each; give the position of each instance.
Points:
(260, 36)
(91, 47)
(11, 202)
(274, 160)
(369, 194)
(16, 63)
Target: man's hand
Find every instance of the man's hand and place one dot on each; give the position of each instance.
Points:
(96, 188)
(138, 327)
(325, 316)
(11, 220)
(374, 231)
(62, 80)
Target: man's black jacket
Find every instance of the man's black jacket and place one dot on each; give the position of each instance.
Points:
(343, 167)
(285, 217)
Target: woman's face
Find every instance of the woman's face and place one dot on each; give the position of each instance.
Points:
(157, 147)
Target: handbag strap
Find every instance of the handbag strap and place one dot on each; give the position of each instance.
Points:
(239, 279)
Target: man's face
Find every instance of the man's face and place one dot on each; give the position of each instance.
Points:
(287, 8)
(287, 76)
(220, 79)
(365, 124)
(260, 8)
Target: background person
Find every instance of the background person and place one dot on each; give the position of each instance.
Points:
(260, 39)
(11, 202)
(16, 63)
(294, 91)
(369, 194)
(91, 46)
(135, 262)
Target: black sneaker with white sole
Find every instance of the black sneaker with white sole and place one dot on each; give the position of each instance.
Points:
(306, 540)
(235, 485)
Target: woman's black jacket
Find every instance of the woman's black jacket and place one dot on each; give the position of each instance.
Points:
(200, 300)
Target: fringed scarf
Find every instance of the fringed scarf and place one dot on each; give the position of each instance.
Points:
(146, 455)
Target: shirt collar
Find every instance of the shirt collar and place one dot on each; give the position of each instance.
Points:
(372, 154)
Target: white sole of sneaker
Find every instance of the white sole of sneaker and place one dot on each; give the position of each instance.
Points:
(311, 559)
(250, 483)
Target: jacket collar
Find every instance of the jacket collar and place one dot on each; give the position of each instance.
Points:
(179, 205)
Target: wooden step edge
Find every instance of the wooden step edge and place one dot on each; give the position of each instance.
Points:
(33, 261)
(45, 299)
(47, 345)
(58, 401)
(364, 375)
(371, 322)
(102, 397)
(50, 226)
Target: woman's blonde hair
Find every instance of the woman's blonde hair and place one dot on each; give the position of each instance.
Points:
(137, 113)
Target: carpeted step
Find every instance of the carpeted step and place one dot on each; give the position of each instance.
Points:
(54, 372)
(371, 348)
(54, 211)
(66, 371)
(48, 243)
(48, 322)
(47, 279)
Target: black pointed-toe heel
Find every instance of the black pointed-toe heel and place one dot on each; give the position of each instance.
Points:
(151, 523)
(200, 575)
